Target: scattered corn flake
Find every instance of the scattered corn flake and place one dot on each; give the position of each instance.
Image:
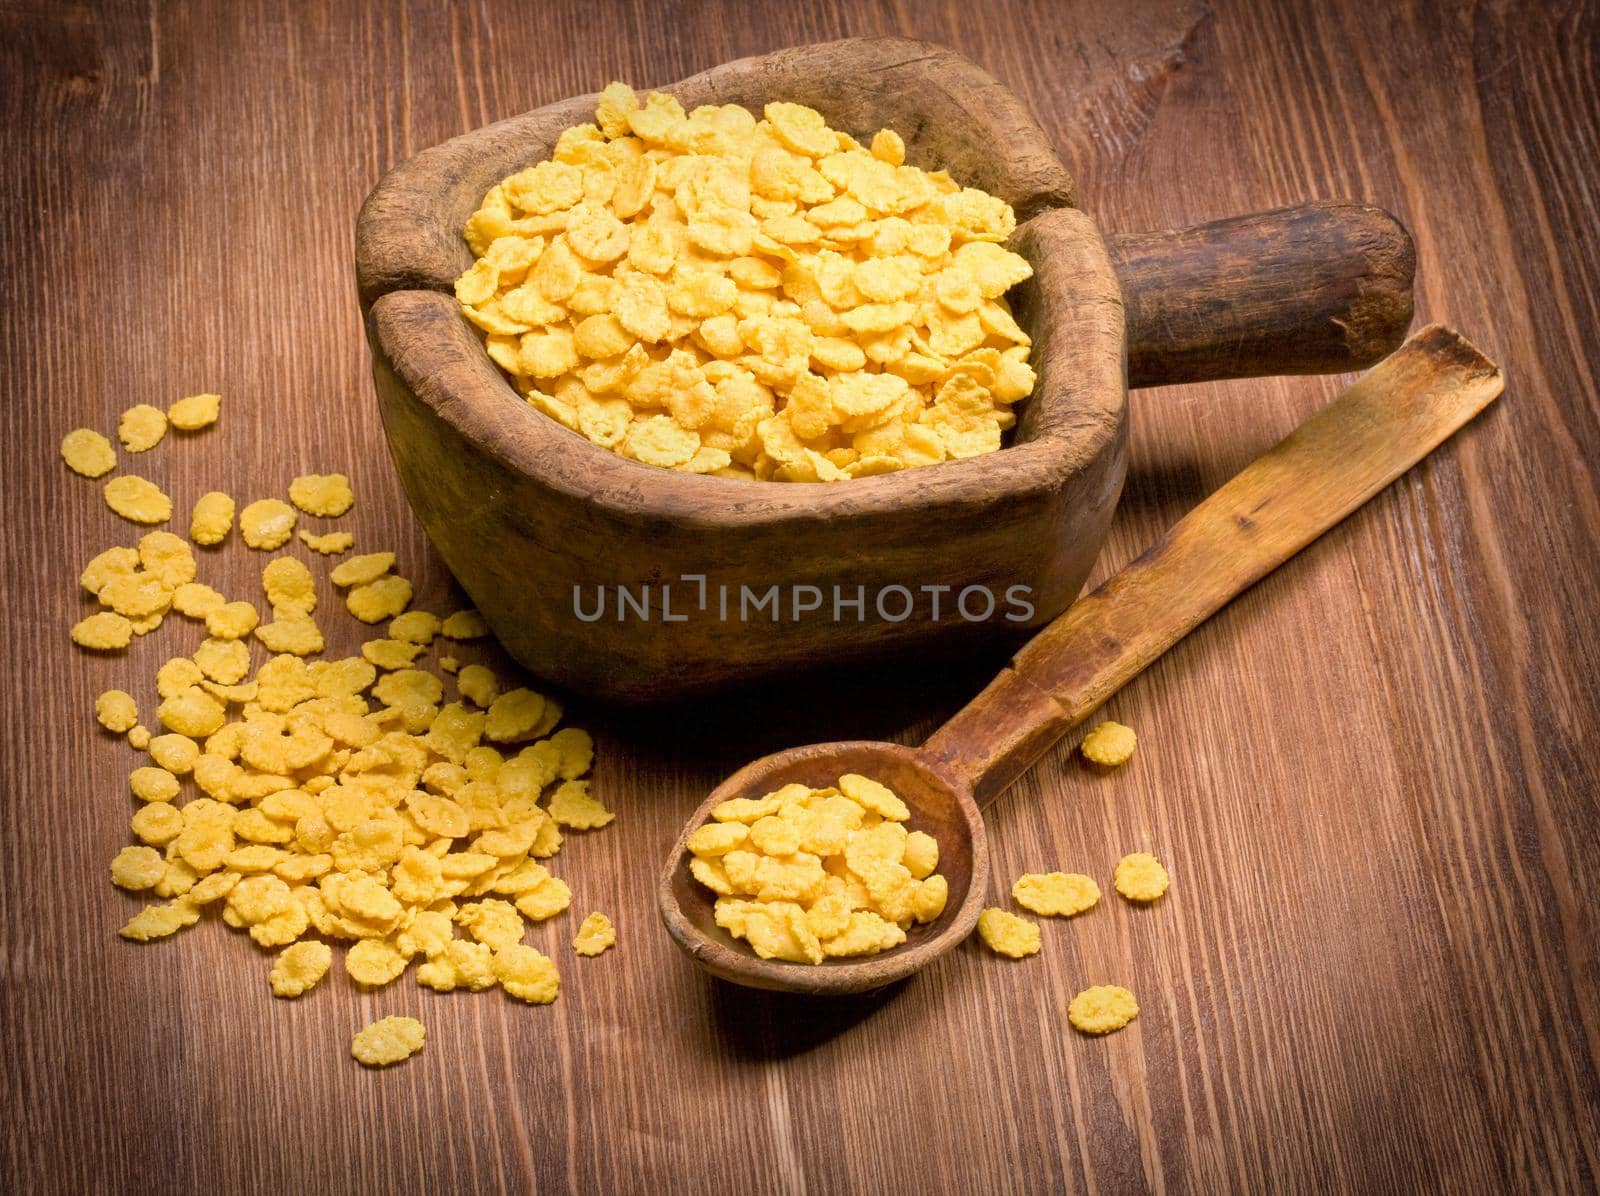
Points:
(212, 518)
(196, 601)
(167, 558)
(327, 494)
(141, 428)
(177, 675)
(192, 712)
(545, 900)
(175, 753)
(1140, 877)
(139, 736)
(88, 453)
(359, 570)
(527, 974)
(464, 625)
(267, 523)
(104, 632)
(390, 654)
(572, 806)
(232, 620)
(328, 543)
(194, 412)
(104, 566)
(372, 963)
(1006, 934)
(299, 636)
(595, 935)
(137, 500)
(1056, 894)
(388, 1041)
(415, 627)
(149, 783)
(514, 716)
(159, 921)
(379, 600)
(1102, 1009)
(224, 661)
(299, 968)
(288, 586)
(137, 868)
(116, 711)
(478, 685)
(1109, 745)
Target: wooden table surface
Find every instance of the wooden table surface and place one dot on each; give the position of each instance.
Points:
(1374, 776)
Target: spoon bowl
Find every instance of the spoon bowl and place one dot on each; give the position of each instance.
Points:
(941, 805)
(1334, 462)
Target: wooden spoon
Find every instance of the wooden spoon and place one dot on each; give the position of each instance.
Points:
(1334, 462)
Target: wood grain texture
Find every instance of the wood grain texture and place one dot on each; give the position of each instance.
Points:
(1374, 776)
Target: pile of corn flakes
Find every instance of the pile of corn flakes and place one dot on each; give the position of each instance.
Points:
(334, 800)
(761, 299)
(808, 874)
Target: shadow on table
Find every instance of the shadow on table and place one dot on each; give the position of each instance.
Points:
(757, 1025)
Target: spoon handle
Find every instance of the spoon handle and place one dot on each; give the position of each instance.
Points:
(1390, 419)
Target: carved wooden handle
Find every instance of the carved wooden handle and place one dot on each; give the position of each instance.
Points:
(1316, 289)
(1340, 457)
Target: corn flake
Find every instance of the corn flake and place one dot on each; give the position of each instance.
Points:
(141, 428)
(595, 935)
(1109, 745)
(389, 1041)
(88, 453)
(1006, 934)
(1102, 1009)
(1056, 894)
(267, 523)
(1140, 877)
(328, 543)
(212, 518)
(137, 500)
(300, 968)
(322, 494)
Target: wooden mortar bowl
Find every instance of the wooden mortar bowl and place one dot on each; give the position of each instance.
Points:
(528, 514)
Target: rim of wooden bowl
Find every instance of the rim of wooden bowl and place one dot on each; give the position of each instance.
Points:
(409, 251)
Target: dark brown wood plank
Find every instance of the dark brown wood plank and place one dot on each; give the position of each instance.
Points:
(1374, 776)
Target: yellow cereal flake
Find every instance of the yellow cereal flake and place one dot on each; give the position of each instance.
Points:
(88, 453)
(116, 711)
(104, 632)
(267, 523)
(1006, 934)
(212, 518)
(595, 935)
(571, 805)
(232, 620)
(107, 565)
(225, 661)
(515, 716)
(137, 500)
(549, 897)
(149, 783)
(196, 601)
(1102, 1009)
(297, 635)
(194, 412)
(137, 868)
(1140, 877)
(191, 712)
(360, 570)
(328, 543)
(388, 1041)
(1109, 745)
(373, 963)
(289, 587)
(527, 974)
(175, 753)
(414, 627)
(464, 625)
(299, 968)
(673, 281)
(167, 558)
(379, 600)
(1056, 894)
(390, 654)
(322, 494)
(159, 921)
(139, 737)
(141, 428)
(477, 684)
